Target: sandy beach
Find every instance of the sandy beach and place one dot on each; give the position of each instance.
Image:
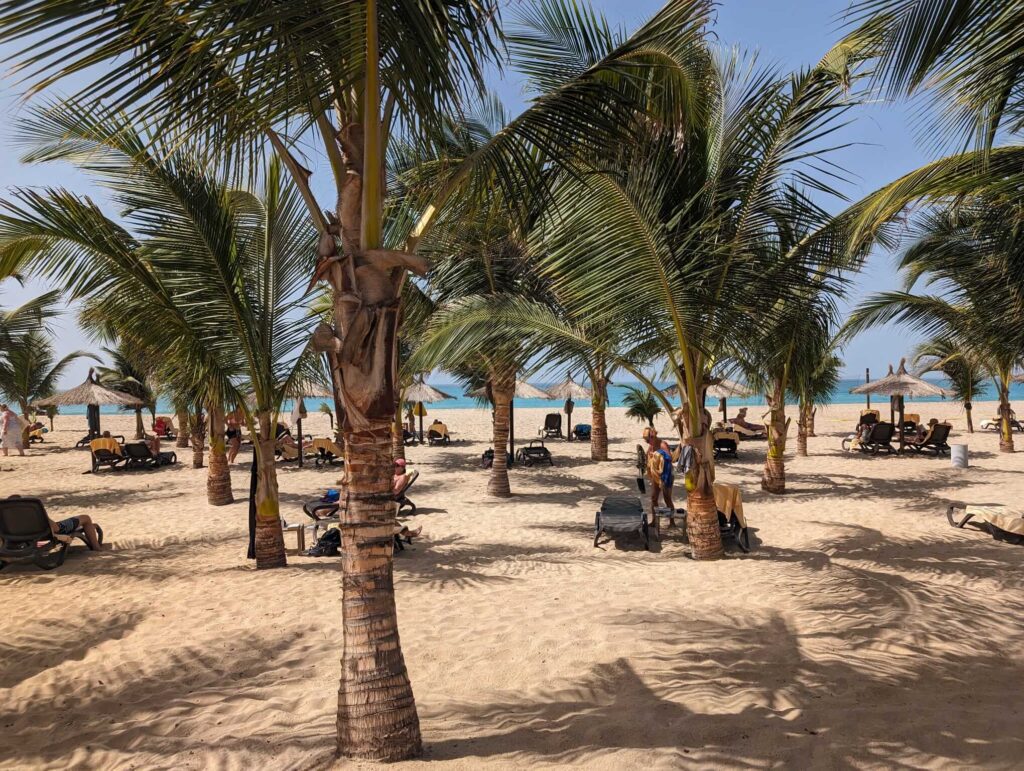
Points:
(862, 631)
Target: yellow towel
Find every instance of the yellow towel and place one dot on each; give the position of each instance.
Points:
(107, 443)
(729, 500)
(327, 445)
(440, 428)
(913, 417)
(1002, 517)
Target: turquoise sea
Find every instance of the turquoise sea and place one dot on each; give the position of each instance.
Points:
(841, 395)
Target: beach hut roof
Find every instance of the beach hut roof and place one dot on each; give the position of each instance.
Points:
(900, 383)
(1018, 378)
(569, 389)
(421, 392)
(719, 388)
(91, 393)
(310, 388)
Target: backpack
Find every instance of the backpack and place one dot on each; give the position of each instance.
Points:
(327, 544)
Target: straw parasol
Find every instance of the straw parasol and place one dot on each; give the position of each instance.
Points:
(523, 391)
(93, 396)
(718, 388)
(420, 392)
(897, 385)
(569, 389)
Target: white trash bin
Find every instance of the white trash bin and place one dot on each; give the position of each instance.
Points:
(958, 455)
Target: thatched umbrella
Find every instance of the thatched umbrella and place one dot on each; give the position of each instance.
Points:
(93, 396)
(298, 391)
(896, 385)
(718, 388)
(420, 392)
(523, 391)
(569, 389)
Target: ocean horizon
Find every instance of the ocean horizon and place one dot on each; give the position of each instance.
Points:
(616, 392)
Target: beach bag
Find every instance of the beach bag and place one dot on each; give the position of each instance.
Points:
(327, 545)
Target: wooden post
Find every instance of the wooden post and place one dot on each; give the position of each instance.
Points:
(298, 426)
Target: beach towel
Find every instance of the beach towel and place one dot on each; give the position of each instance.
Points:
(108, 443)
(729, 500)
(1006, 519)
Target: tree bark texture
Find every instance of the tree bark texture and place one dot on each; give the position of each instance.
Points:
(599, 429)
(140, 426)
(376, 710)
(702, 514)
(183, 429)
(502, 388)
(970, 418)
(398, 435)
(773, 479)
(218, 480)
(803, 428)
(269, 536)
(1005, 426)
(198, 436)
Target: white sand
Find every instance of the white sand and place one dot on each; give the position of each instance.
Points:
(862, 631)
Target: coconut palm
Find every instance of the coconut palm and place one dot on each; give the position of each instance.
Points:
(812, 384)
(127, 373)
(641, 404)
(208, 275)
(967, 54)
(31, 316)
(30, 370)
(963, 368)
(971, 254)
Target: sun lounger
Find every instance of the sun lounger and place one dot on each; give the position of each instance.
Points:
(138, 455)
(290, 452)
(409, 437)
(438, 435)
(1002, 523)
(324, 513)
(621, 515)
(869, 417)
(552, 426)
(534, 453)
(581, 432)
(731, 521)
(105, 451)
(88, 438)
(748, 433)
(994, 424)
(911, 420)
(879, 440)
(326, 451)
(726, 443)
(934, 441)
(25, 533)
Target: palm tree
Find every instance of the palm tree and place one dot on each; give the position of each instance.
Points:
(812, 384)
(641, 404)
(127, 374)
(31, 316)
(964, 369)
(971, 252)
(29, 369)
(209, 275)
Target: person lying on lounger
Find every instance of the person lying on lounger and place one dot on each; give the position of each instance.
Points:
(740, 421)
(70, 525)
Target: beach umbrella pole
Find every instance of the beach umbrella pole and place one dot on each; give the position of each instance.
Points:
(420, 410)
(298, 426)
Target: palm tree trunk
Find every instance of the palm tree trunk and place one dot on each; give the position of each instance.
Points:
(502, 389)
(970, 419)
(810, 421)
(140, 427)
(773, 480)
(218, 480)
(183, 428)
(269, 536)
(1005, 426)
(702, 513)
(198, 437)
(398, 435)
(376, 710)
(803, 427)
(599, 429)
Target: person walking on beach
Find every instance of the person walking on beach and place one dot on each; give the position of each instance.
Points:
(10, 431)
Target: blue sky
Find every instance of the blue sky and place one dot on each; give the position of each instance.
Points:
(790, 33)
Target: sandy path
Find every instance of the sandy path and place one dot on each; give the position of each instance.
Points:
(862, 632)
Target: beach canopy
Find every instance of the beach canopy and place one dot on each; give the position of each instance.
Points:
(421, 392)
(900, 383)
(1019, 378)
(718, 388)
(523, 391)
(91, 393)
(569, 389)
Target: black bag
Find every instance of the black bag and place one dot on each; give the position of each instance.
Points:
(327, 545)
(488, 458)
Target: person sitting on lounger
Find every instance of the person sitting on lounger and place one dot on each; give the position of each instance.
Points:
(923, 430)
(153, 443)
(439, 427)
(400, 480)
(160, 427)
(740, 421)
(70, 525)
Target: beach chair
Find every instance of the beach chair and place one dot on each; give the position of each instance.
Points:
(35, 435)
(934, 441)
(726, 444)
(621, 515)
(25, 534)
(869, 418)
(748, 433)
(1002, 523)
(409, 437)
(552, 426)
(879, 440)
(731, 522)
(993, 424)
(581, 432)
(534, 453)
(437, 434)
(138, 455)
(402, 498)
(105, 451)
(326, 451)
(327, 513)
(911, 420)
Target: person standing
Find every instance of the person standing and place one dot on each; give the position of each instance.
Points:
(10, 431)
